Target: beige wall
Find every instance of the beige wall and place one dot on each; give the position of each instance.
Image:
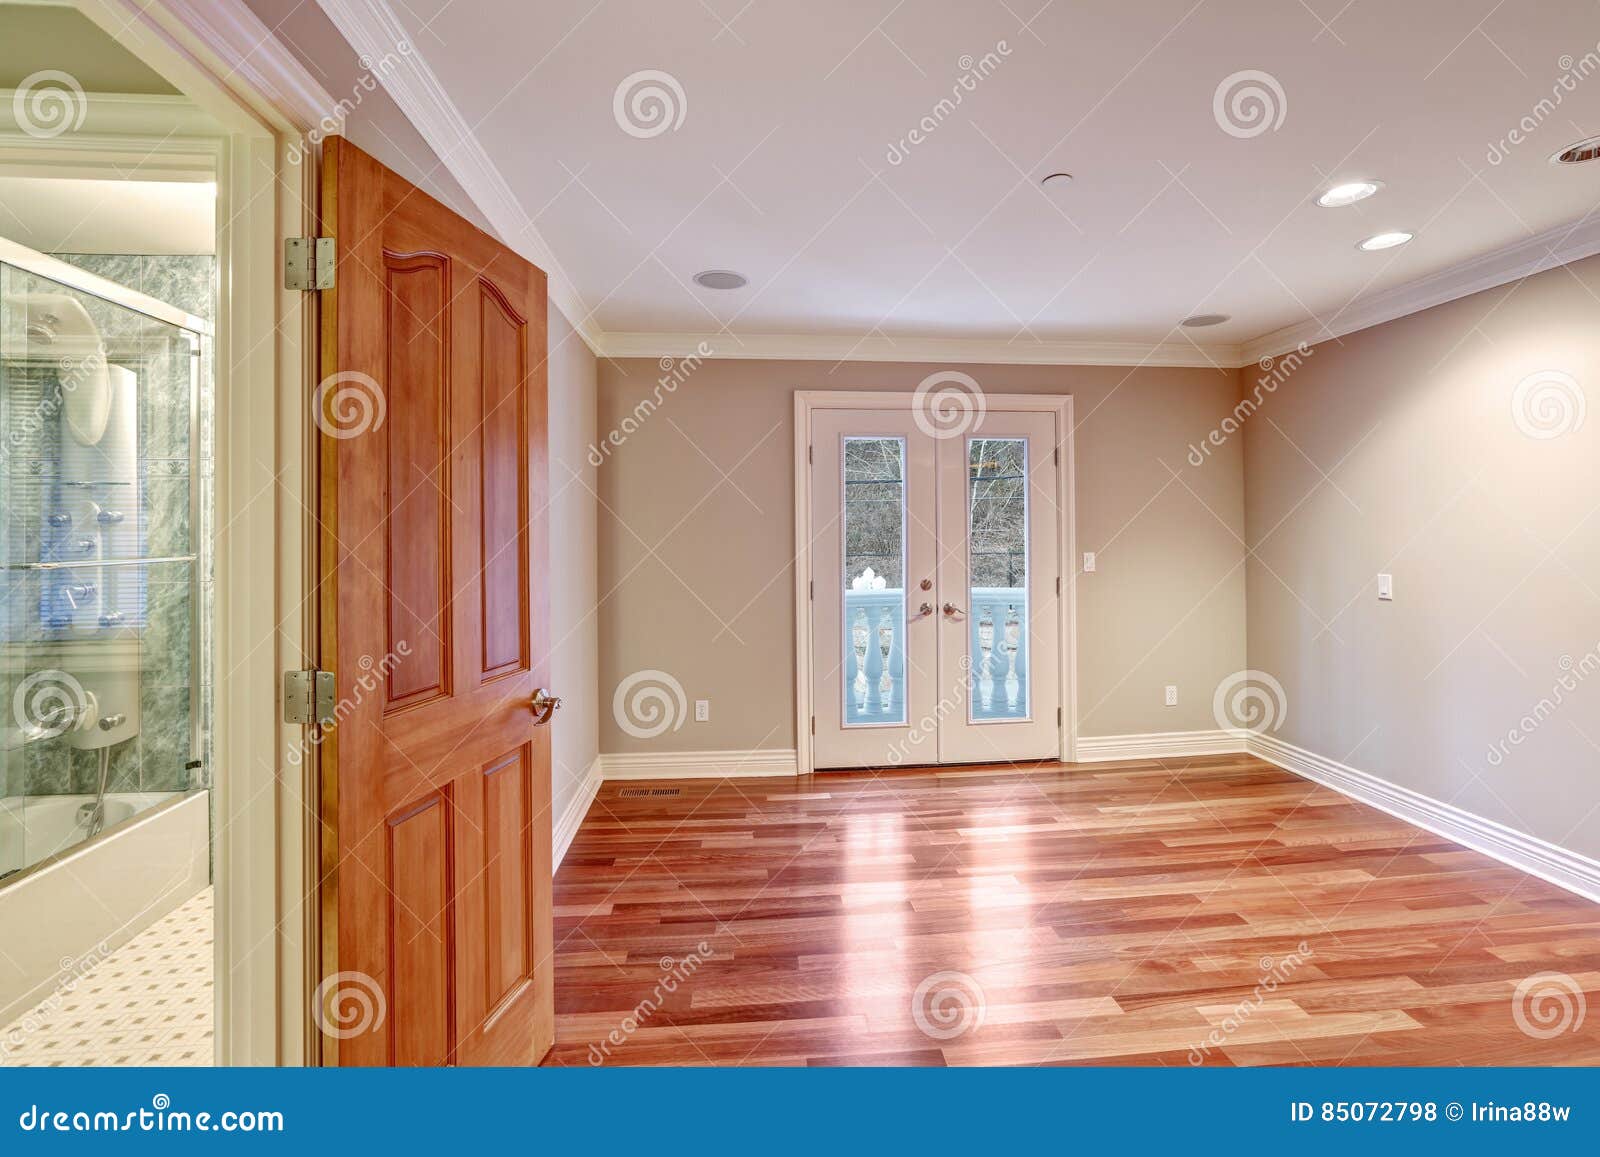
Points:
(696, 570)
(574, 670)
(1492, 537)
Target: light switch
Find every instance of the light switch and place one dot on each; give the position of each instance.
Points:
(1386, 587)
(1172, 695)
(1088, 562)
(702, 710)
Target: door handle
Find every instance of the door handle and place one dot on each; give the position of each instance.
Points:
(544, 706)
(923, 612)
(952, 609)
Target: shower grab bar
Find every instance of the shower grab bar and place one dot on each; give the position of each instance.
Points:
(77, 565)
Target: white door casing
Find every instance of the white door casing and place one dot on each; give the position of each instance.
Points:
(989, 679)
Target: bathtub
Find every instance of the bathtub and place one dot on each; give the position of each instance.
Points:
(67, 911)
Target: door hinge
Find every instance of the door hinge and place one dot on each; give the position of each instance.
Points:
(813, 725)
(811, 453)
(308, 263)
(812, 593)
(309, 697)
(1058, 586)
(1058, 717)
(1058, 455)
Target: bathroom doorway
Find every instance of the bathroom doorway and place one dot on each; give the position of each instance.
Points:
(151, 450)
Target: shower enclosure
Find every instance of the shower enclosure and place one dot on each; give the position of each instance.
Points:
(103, 575)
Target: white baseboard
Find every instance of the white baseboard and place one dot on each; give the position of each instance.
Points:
(569, 821)
(1563, 868)
(1159, 745)
(699, 764)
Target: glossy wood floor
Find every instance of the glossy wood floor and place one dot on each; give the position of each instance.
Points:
(1213, 910)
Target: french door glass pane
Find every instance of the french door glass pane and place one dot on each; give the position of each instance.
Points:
(874, 581)
(997, 559)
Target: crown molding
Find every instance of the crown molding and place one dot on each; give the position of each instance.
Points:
(373, 30)
(877, 348)
(260, 67)
(1559, 246)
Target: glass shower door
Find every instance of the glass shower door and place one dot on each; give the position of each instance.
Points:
(99, 519)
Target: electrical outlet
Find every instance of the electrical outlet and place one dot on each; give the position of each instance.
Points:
(702, 710)
(1172, 695)
(1386, 587)
(1088, 562)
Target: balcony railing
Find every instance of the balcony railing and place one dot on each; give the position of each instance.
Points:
(875, 660)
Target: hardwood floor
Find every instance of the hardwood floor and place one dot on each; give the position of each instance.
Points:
(1165, 912)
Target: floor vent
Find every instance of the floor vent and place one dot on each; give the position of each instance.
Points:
(642, 791)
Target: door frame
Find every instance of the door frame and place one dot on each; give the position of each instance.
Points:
(807, 403)
(259, 100)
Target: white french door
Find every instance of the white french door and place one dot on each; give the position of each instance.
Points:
(935, 588)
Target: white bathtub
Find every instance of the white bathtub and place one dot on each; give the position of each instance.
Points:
(94, 896)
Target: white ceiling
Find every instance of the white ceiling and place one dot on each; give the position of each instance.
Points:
(72, 215)
(779, 167)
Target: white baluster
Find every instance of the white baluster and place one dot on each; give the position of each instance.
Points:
(990, 656)
(1020, 659)
(897, 658)
(855, 684)
(874, 704)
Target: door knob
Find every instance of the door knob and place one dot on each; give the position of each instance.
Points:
(544, 706)
(952, 609)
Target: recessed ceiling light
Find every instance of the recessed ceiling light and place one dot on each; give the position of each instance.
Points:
(1385, 240)
(1585, 150)
(1057, 180)
(721, 279)
(1201, 320)
(1348, 193)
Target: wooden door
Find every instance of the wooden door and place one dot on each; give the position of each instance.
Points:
(435, 613)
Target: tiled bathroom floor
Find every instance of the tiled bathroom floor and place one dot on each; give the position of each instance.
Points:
(148, 1003)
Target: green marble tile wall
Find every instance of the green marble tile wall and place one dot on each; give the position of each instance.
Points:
(169, 736)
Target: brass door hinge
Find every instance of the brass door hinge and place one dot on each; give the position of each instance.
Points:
(309, 697)
(308, 263)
